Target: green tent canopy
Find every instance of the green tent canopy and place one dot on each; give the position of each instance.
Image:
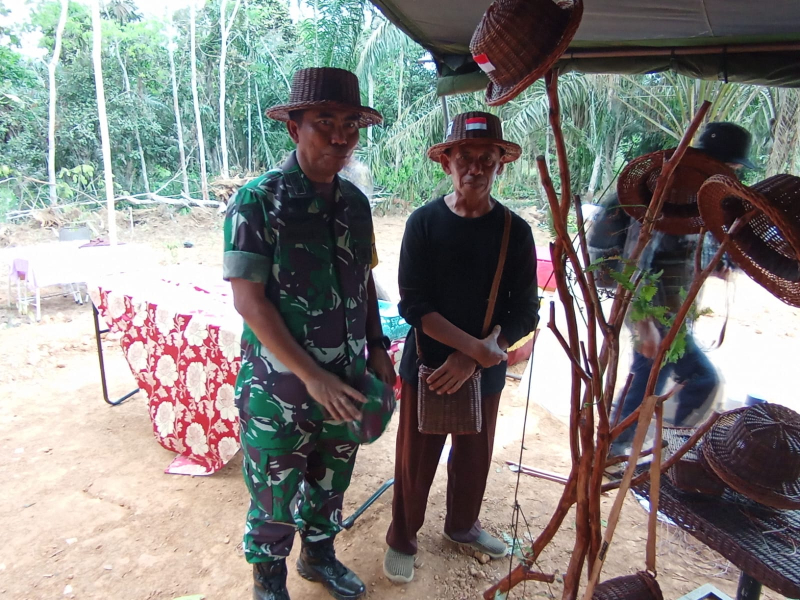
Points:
(745, 41)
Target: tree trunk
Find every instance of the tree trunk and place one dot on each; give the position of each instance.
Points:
(784, 133)
(108, 176)
(176, 106)
(249, 127)
(51, 133)
(598, 162)
(127, 83)
(371, 102)
(397, 157)
(225, 31)
(201, 145)
(270, 160)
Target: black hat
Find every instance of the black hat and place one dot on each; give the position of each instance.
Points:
(319, 87)
(727, 142)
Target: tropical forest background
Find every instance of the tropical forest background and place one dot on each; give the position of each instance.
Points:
(185, 92)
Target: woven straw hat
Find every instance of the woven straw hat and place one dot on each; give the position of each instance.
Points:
(680, 214)
(767, 248)
(481, 126)
(320, 87)
(756, 451)
(518, 41)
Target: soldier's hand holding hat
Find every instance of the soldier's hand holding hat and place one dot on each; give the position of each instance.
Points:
(336, 396)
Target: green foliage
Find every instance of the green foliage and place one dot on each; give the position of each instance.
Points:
(606, 119)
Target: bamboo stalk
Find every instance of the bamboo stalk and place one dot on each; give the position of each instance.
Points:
(551, 82)
(533, 472)
(655, 493)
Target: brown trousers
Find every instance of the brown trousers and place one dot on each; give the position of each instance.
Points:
(416, 459)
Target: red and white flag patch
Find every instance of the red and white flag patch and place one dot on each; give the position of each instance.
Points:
(484, 63)
(475, 123)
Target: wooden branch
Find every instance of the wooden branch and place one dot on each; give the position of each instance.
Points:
(584, 247)
(620, 404)
(551, 325)
(629, 420)
(622, 299)
(551, 81)
(545, 537)
(641, 431)
(688, 445)
(655, 493)
(518, 575)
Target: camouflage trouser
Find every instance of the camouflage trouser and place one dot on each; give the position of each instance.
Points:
(297, 473)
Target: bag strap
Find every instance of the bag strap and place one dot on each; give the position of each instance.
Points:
(498, 274)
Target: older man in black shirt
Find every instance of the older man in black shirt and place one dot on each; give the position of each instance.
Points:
(448, 260)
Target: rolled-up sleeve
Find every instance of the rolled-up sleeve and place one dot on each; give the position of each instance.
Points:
(249, 240)
(521, 314)
(413, 274)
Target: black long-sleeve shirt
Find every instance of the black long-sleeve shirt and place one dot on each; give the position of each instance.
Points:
(447, 264)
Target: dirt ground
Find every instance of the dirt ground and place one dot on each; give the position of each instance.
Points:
(86, 510)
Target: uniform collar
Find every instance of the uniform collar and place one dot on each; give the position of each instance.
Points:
(298, 185)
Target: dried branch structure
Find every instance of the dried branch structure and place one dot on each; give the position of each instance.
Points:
(594, 362)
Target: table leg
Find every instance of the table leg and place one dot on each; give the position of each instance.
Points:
(749, 588)
(38, 304)
(350, 521)
(97, 332)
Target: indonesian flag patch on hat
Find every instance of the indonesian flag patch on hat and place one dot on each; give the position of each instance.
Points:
(475, 123)
(476, 126)
(483, 62)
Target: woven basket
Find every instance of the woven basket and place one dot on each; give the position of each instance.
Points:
(639, 586)
(458, 413)
(691, 473)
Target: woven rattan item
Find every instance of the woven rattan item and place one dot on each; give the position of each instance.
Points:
(320, 87)
(691, 473)
(518, 41)
(458, 413)
(756, 451)
(476, 125)
(680, 214)
(639, 586)
(767, 248)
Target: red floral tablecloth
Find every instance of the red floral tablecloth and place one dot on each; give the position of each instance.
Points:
(180, 335)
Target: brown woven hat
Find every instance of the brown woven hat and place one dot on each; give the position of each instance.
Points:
(639, 586)
(767, 248)
(318, 87)
(518, 41)
(680, 214)
(475, 125)
(756, 451)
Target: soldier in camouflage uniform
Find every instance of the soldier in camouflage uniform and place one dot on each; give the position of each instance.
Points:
(299, 249)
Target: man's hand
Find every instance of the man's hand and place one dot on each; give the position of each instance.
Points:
(449, 378)
(380, 363)
(649, 338)
(335, 395)
(487, 351)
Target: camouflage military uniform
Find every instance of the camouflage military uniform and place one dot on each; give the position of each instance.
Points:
(314, 259)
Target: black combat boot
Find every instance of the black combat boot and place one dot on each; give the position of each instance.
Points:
(269, 581)
(318, 563)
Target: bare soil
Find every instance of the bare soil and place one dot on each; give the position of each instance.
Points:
(86, 510)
